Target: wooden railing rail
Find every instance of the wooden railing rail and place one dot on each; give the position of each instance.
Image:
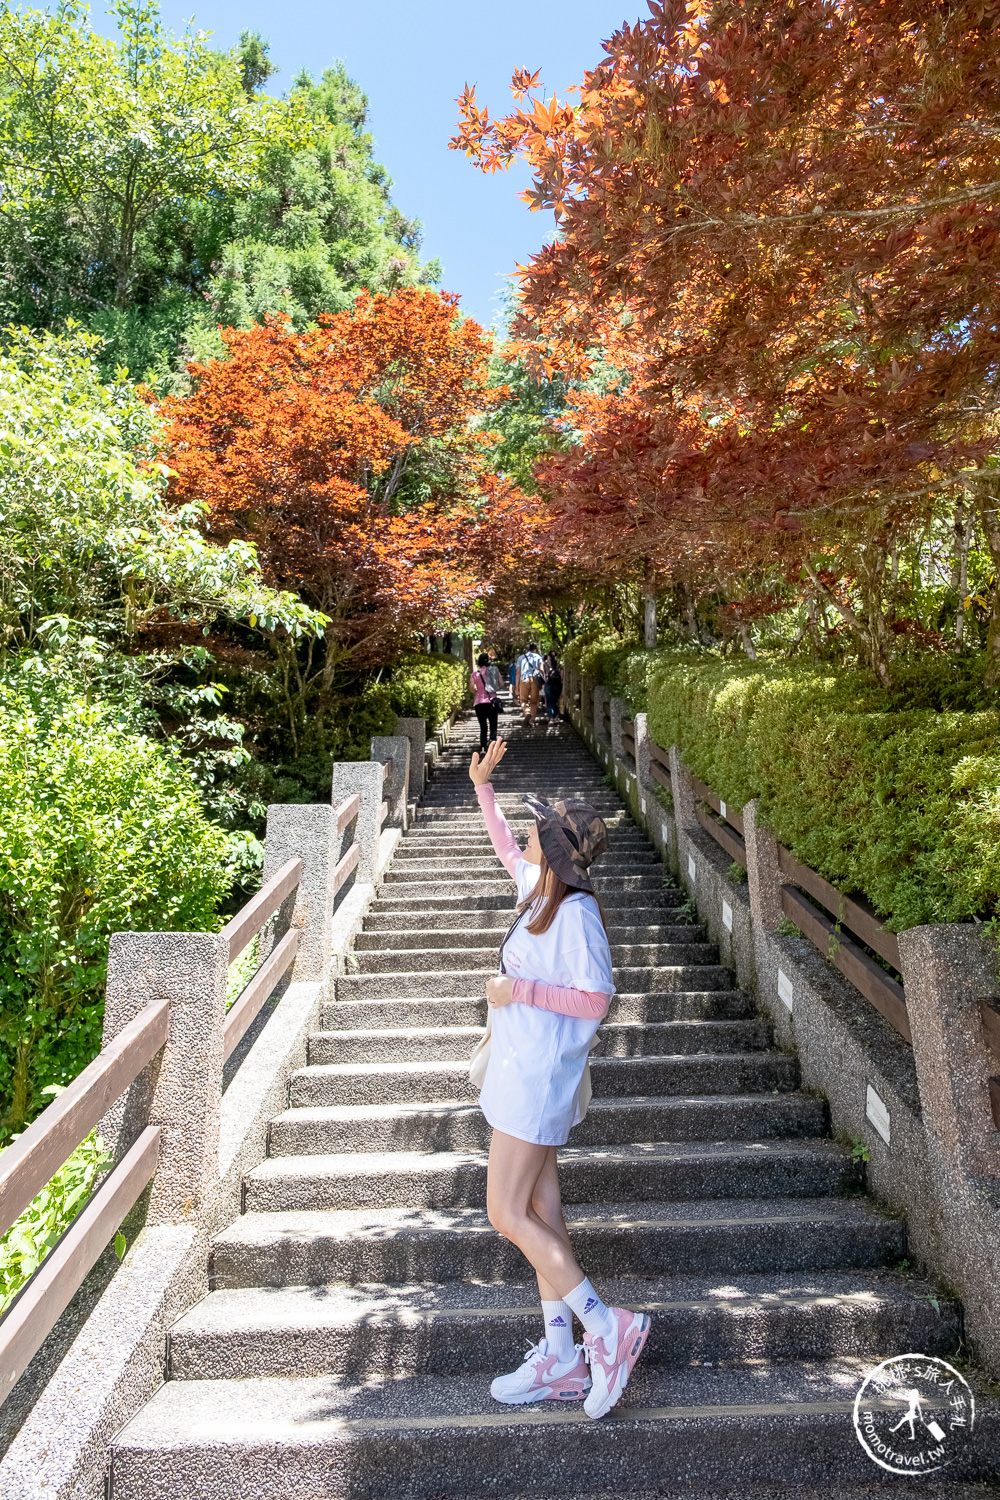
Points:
(659, 765)
(251, 918)
(346, 865)
(47, 1144)
(36, 1156)
(848, 911)
(727, 833)
(347, 811)
(878, 987)
(705, 794)
(34, 1313)
(245, 1008)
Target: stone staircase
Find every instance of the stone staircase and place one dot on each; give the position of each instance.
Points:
(362, 1303)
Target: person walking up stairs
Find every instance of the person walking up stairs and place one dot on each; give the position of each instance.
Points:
(362, 1303)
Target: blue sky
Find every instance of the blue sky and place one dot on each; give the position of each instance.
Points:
(412, 60)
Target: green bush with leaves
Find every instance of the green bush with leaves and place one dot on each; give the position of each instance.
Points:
(900, 804)
(31, 1237)
(428, 687)
(101, 830)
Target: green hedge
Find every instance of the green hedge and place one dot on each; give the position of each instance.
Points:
(900, 804)
(428, 687)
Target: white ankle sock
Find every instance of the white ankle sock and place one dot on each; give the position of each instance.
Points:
(596, 1318)
(558, 1318)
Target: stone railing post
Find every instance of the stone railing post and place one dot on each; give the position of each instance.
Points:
(764, 882)
(306, 831)
(586, 703)
(394, 748)
(617, 707)
(683, 792)
(643, 755)
(365, 778)
(763, 871)
(947, 972)
(416, 732)
(181, 1090)
(601, 699)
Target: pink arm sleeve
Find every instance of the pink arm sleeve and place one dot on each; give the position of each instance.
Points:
(568, 1002)
(503, 841)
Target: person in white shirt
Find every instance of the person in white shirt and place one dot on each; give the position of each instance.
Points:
(528, 680)
(552, 992)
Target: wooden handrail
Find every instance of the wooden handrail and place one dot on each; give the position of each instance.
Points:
(660, 776)
(348, 811)
(884, 992)
(989, 1015)
(659, 755)
(849, 912)
(33, 1314)
(705, 794)
(383, 813)
(386, 767)
(36, 1156)
(245, 1008)
(727, 838)
(251, 918)
(345, 865)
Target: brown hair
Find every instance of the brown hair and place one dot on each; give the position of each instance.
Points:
(546, 899)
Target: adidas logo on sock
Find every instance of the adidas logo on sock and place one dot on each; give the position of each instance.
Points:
(591, 1302)
(557, 1322)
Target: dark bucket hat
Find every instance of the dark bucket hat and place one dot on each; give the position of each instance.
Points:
(571, 835)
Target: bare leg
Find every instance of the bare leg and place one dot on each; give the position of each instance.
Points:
(546, 1201)
(515, 1167)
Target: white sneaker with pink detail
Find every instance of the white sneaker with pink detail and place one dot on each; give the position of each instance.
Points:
(540, 1378)
(612, 1359)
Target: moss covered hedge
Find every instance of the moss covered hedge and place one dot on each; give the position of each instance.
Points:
(900, 804)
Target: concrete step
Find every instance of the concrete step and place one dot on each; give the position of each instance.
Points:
(683, 1005)
(308, 1247)
(427, 1082)
(431, 1436)
(461, 1126)
(481, 926)
(423, 844)
(460, 1328)
(630, 861)
(497, 895)
(641, 1173)
(458, 1125)
(629, 924)
(431, 883)
(444, 983)
(623, 955)
(624, 1039)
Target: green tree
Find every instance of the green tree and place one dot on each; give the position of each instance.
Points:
(104, 144)
(87, 541)
(318, 224)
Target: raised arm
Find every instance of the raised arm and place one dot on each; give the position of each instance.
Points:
(506, 845)
(501, 837)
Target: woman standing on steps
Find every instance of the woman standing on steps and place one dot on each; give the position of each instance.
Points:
(552, 993)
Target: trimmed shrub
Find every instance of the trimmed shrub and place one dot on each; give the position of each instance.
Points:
(428, 687)
(899, 804)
